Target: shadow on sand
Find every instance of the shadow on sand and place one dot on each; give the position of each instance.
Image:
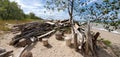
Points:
(100, 52)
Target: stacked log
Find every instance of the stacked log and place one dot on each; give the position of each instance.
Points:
(36, 30)
(23, 42)
(30, 30)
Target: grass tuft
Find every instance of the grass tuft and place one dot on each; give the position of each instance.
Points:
(3, 28)
(4, 22)
(106, 42)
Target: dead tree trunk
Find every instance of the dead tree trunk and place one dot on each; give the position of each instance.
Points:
(89, 46)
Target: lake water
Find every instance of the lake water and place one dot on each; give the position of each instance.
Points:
(100, 27)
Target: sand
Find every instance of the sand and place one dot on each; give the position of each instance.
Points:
(113, 37)
(57, 48)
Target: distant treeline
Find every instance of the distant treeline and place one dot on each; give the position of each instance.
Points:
(111, 23)
(11, 10)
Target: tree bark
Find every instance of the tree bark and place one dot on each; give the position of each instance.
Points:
(75, 42)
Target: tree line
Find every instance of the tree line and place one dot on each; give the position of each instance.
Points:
(11, 10)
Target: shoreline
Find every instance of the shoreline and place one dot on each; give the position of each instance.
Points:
(99, 26)
(113, 37)
(102, 29)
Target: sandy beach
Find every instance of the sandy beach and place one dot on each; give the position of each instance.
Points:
(57, 48)
(113, 37)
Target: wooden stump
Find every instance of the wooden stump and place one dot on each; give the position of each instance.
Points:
(68, 41)
(45, 41)
(27, 54)
(59, 35)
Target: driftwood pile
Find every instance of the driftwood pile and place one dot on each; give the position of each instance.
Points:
(31, 32)
(87, 42)
(84, 40)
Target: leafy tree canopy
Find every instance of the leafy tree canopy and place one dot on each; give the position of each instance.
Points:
(87, 9)
(11, 10)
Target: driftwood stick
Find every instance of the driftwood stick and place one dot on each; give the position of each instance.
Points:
(50, 32)
(96, 35)
(95, 38)
(6, 54)
(22, 50)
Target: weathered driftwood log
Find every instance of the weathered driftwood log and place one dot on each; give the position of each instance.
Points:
(68, 41)
(23, 42)
(2, 50)
(95, 39)
(22, 51)
(45, 41)
(33, 29)
(96, 35)
(89, 43)
(46, 34)
(30, 35)
(6, 54)
(13, 42)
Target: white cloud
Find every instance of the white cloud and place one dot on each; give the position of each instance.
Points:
(37, 7)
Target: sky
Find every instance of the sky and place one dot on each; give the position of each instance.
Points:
(37, 7)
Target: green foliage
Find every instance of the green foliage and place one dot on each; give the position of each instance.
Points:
(106, 11)
(106, 42)
(32, 16)
(67, 30)
(11, 10)
(4, 28)
(118, 22)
